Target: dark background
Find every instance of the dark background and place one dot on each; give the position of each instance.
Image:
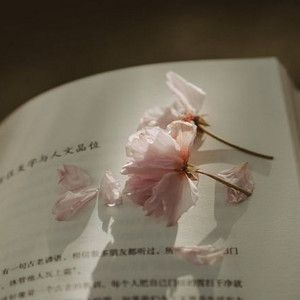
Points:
(46, 43)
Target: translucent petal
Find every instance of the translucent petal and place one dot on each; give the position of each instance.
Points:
(73, 178)
(71, 202)
(171, 197)
(189, 94)
(110, 189)
(184, 133)
(188, 99)
(241, 176)
(200, 255)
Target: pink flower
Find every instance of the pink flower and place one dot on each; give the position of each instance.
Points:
(73, 178)
(188, 100)
(200, 255)
(241, 177)
(110, 189)
(157, 168)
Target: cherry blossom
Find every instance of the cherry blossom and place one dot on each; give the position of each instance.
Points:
(160, 176)
(157, 168)
(188, 100)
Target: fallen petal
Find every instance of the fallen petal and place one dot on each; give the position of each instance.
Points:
(73, 178)
(110, 189)
(200, 255)
(71, 202)
(241, 176)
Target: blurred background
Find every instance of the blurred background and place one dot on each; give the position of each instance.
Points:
(46, 43)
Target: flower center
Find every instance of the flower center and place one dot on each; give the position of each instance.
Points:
(189, 171)
(198, 120)
(189, 118)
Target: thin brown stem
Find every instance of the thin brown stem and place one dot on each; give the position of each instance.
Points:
(231, 185)
(202, 128)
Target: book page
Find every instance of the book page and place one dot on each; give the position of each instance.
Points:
(118, 252)
(297, 107)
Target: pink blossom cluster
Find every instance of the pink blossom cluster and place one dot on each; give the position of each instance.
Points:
(159, 175)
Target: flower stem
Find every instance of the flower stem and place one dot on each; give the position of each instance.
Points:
(231, 185)
(201, 127)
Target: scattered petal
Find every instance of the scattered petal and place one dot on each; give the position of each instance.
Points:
(241, 176)
(71, 202)
(110, 189)
(200, 255)
(73, 178)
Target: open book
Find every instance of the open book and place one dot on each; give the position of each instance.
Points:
(117, 252)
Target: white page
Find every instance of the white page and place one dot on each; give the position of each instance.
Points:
(245, 103)
(297, 108)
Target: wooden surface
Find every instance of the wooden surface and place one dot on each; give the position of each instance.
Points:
(46, 43)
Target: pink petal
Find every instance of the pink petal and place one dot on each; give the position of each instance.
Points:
(163, 116)
(188, 101)
(138, 188)
(145, 168)
(73, 178)
(71, 202)
(191, 96)
(240, 176)
(150, 149)
(159, 116)
(173, 195)
(200, 255)
(110, 189)
(184, 133)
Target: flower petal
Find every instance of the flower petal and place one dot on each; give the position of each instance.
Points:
(173, 195)
(241, 176)
(110, 189)
(73, 178)
(188, 101)
(71, 202)
(138, 188)
(159, 116)
(152, 148)
(200, 255)
(189, 94)
(184, 133)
